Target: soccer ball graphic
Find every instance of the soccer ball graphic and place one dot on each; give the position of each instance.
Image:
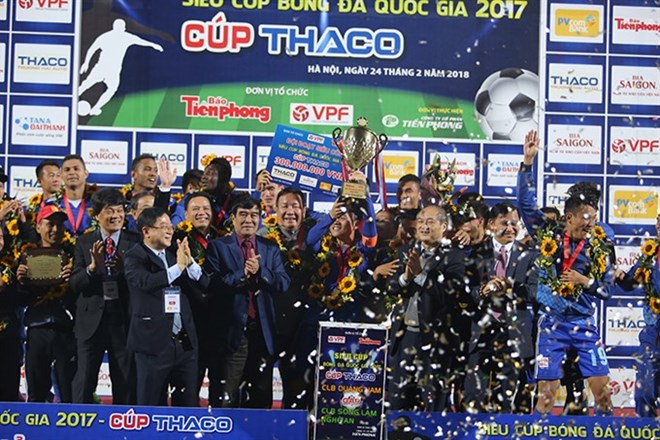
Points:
(505, 104)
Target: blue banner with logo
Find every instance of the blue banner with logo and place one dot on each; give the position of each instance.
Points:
(34, 421)
(305, 160)
(350, 381)
(427, 426)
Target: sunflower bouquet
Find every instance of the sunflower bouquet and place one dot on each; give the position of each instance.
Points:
(292, 255)
(346, 285)
(548, 241)
(647, 261)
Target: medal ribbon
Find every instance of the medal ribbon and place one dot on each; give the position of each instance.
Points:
(69, 213)
(569, 260)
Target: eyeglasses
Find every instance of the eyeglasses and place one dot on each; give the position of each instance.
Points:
(163, 227)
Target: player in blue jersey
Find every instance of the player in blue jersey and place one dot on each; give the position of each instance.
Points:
(574, 272)
(644, 279)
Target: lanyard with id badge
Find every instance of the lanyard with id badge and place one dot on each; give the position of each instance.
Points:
(172, 299)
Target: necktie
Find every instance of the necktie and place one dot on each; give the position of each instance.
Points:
(500, 265)
(176, 323)
(246, 248)
(109, 253)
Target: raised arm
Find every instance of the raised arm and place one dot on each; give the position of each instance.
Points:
(532, 216)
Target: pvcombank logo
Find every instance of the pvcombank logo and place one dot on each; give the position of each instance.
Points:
(576, 23)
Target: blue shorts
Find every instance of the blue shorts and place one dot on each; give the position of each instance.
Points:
(556, 337)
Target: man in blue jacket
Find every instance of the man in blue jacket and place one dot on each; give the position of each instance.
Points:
(575, 271)
(246, 272)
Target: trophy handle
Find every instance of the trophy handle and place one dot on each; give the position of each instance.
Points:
(382, 139)
(336, 137)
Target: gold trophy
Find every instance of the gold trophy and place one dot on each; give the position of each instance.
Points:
(358, 146)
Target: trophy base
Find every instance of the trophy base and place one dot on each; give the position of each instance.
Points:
(354, 190)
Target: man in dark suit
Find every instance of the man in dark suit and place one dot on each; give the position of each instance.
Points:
(502, 330)
(162, 331)
(102, 301)
(424, 342)
(246, 271)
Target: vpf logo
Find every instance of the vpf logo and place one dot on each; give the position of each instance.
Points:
(25, 4)
(23, 123)
(618, 146)
(300, 113)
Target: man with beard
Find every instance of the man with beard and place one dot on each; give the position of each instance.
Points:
(76, 196)
(290, 232)
(247, 273)
(423, 346)
(102, 303)
(574, 272)
(503, 324)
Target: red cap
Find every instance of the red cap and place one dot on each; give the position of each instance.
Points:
(48, 211)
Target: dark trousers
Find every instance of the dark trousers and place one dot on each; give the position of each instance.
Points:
(10, 366)
(175, 365)
(46, 344)
(411, 385)
(252, 365)
(111, 336)
(490, 382)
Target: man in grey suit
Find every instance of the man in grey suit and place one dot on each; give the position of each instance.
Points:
(502, 332)
(99, 284)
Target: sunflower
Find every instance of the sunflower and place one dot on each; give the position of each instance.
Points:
(207, 159)
(126, 189)
(565, 290)
(354, 259)
(12, 227)
(548, 247)
(270, 221)
(333, 301)
(347, 285)
(602, 264)
(275, 237)
(654, 304)
(315, 291)
(324, 270)
(294, 256)
(35, 199)
(649, 248)
(326, 243)
(642, 275)
(185, 226)
(5, 278)
(599, 233)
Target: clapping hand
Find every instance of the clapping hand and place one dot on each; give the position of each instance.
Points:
(251, 264)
